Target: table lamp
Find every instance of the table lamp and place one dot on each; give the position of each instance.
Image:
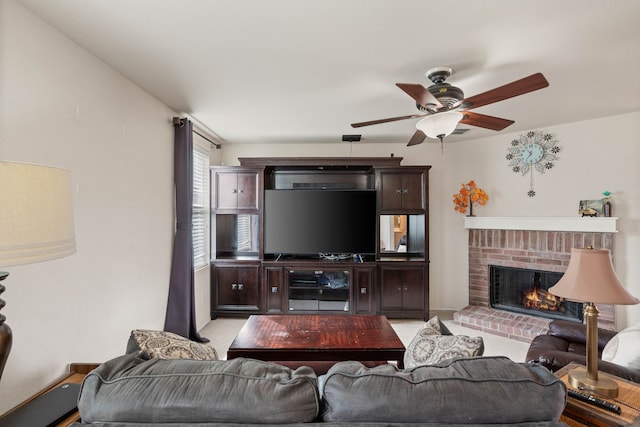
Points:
(36, 223)
(590, 279)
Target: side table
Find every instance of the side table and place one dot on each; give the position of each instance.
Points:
(578, 413)
(77, 372)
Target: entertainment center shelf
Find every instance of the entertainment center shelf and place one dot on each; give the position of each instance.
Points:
(320, 235)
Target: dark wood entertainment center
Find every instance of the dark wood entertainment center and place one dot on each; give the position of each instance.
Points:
(393, 281)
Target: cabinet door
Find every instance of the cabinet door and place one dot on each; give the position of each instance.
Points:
(363, 289)
(235, 288)
(390, 190)
(247, 190)
(248, 286)
(274, 281)
(391, 288)
(413, 288)
(224, 293)
(413, 190)
(225, 190)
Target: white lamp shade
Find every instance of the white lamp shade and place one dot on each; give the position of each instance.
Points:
(36, 215)
(590, 278)
(439, 124)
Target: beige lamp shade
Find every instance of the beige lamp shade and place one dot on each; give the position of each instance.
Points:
(36, 216)
(590, 278)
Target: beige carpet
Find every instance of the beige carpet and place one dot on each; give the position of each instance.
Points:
(222, 331)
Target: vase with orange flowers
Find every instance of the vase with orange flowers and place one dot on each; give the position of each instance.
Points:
(469, 195)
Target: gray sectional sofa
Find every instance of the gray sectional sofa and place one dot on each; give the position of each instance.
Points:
(130, 391)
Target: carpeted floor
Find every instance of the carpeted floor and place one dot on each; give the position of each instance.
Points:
(222, 331)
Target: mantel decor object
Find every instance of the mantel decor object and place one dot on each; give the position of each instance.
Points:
(36, 223)
(606, 204)
(469, 195)
(592, 208)
(590, 279)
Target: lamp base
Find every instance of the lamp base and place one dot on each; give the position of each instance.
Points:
(605, 386)
(5, 330)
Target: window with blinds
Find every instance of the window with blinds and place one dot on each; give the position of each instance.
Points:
(200, 213)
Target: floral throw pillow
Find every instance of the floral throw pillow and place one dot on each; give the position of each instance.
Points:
(166, 345)
(434, 327)
(434, 343)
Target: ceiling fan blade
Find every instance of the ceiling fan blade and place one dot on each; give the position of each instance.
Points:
(516, 88)
(418, 92)
(417, 138)
(391, 119)
(484, 121)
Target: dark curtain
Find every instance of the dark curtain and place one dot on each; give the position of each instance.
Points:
(181, 313)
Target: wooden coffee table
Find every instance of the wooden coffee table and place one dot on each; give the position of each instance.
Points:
(318, 341)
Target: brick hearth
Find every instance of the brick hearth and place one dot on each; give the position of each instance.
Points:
(537, 250)
(499, 322)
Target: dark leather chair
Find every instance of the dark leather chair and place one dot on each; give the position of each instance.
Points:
(565, 342)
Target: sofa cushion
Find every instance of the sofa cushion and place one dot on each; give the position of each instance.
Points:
(434, 343)
(166, 345)
(132, 390)
(491, 390)
(623, 348)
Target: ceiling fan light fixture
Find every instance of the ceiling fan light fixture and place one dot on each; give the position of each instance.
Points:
(439, 125)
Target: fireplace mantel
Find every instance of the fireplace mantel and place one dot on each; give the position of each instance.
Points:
(576, 224)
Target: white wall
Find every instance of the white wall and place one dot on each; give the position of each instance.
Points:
(61, 106)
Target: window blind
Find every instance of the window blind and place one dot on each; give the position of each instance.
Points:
(200, 214)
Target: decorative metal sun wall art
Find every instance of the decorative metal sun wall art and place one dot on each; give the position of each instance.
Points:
(534, 150)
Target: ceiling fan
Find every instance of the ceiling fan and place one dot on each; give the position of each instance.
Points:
(442, 106)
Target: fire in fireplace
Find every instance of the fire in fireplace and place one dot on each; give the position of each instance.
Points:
(525, 291)
(540, 299)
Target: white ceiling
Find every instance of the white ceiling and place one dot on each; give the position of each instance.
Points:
(302, 70)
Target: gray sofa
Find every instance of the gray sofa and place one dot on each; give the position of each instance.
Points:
(130, 391)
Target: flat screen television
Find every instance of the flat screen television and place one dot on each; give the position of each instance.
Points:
(312, 222)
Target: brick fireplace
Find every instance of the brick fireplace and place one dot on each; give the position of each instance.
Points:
(529, 243)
